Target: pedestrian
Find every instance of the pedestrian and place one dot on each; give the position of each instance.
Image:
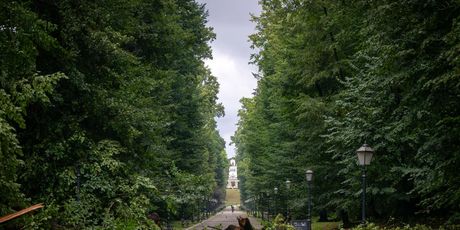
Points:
(232, 208)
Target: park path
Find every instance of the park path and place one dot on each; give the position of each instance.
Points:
(225, 218)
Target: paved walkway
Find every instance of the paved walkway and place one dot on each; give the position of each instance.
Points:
(225, 218)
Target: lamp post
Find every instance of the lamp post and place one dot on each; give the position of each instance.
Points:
(267, 196)
(288, 187)
(275, 190)
(309, 175)
(206, 200)
(260, 205)
(365, 154)
(255, 205)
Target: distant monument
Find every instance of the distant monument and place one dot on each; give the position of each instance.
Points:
(232, 175)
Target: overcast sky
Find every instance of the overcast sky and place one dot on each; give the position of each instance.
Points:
(231, 52)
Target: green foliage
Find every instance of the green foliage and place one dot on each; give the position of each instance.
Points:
(107, 113)
(373, 226)
(278, 224)
(336, 74)
(21, 84)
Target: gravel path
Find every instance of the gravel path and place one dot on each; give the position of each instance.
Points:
(225, 218)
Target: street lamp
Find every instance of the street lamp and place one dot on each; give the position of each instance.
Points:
(288, 187)
(256, 206)
(365, 154)
(309, 175)
(275, 190)
(266, 194)
(288, 184)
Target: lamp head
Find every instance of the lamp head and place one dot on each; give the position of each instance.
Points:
(309, 175)
(365, 154)
(288, 184)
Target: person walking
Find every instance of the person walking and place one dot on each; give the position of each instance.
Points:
(233, 209)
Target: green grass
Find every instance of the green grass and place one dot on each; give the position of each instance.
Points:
(325, 225)
(178, 224)
(232, 197)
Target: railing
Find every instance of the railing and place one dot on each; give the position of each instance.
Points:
(20, 213)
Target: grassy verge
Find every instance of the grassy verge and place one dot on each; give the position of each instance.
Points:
(325, 225)
(178, 225)
(232, 197)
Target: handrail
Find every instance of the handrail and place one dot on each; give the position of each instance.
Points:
(20, 213)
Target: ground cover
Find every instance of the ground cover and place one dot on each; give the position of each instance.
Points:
(325, 225)
(232, 197)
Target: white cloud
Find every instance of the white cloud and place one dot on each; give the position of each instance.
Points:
(236, 81)
(231, 51)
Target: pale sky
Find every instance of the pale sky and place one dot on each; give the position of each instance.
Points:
(231, 52)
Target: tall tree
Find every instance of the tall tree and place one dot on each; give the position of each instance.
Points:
(22, 36)
(128, 125)
(335, 74)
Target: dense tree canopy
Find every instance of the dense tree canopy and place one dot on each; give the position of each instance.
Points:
(336, 74)
(107, 112)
